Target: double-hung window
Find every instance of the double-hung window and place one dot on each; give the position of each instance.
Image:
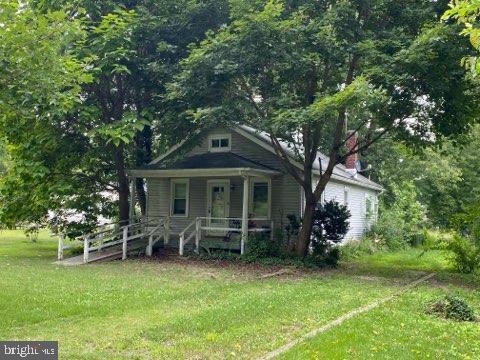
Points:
(179, 197)
(260, 198)
(369, 206)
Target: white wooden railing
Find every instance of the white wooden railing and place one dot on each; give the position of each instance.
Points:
(183, 239)
(195, 228)
(114, 234)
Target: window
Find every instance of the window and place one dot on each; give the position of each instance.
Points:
(179, 197)
(260, 199)
(218, 143)
(346, 194)
(368, 206)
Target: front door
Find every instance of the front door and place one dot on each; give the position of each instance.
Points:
(218, 205)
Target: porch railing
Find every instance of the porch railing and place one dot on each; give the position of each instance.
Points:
(232, 226)
(107, 236)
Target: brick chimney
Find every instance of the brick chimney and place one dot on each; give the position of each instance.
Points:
(351, 144)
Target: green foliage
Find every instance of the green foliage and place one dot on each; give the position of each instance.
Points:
(330, 225)
(278, 65)
(468, 221)
(436, 173)
(261, 246)
(367, 245)
(122, 131)
(434, 240)
(291, 231)
(40, 84)
(452, 308)
(399, 224)
(465, 254)
(465, 12)
(82, 98)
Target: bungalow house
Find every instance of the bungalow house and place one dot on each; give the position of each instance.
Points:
(230, 183)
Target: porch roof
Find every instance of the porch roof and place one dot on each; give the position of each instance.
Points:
(207, 164)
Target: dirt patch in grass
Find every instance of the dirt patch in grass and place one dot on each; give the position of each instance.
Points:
(241, 269)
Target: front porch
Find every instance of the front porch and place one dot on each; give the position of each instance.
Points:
(201, 234)
(210, 200)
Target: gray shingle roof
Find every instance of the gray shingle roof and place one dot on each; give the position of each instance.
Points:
(220, 160)
(340, 171)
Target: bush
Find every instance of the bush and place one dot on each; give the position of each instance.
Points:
(330, 225)
(390, 228)
(31, 232)
(400, 224)
(261, 246)
(365, 246)
(451, 307)
(291, 232)
(465, 254)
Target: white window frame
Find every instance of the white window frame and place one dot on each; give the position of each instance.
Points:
(269, 198)
(173, 182)
(369, 197)
(375, 206)
(220, 137)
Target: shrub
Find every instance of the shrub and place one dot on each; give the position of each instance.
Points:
(261, 246)
(451, 307)
(390, 228)
(291, 232)
(465, 254)
(400, 224)
(330, 225)
(31, 232)
(435, 239)
(366, 245)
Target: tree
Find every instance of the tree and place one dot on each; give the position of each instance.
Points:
(134, 50)
(40, 82)
(465, 12)
(122, 54)
(448, 183)
(307, 72)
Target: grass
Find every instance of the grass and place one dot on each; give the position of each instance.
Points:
(183, 309)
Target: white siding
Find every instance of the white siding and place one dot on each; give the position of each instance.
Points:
(356, 204)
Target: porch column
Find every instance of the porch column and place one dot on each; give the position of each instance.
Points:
(132, 200)
(246, 195)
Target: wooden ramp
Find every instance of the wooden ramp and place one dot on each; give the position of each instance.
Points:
(107, 254)
(136, 247)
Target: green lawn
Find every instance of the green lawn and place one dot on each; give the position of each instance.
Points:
(183, 309)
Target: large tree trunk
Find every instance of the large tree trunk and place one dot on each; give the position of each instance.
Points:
(141, 195)
(123, 190)
(305, 233)
(143, 156)
(311, 201)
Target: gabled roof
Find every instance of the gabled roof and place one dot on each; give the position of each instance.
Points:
(340, 172)
(261, 138)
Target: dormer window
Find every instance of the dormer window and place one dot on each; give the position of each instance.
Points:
(219, 143)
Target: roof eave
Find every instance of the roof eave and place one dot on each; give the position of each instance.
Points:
(209, 172)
